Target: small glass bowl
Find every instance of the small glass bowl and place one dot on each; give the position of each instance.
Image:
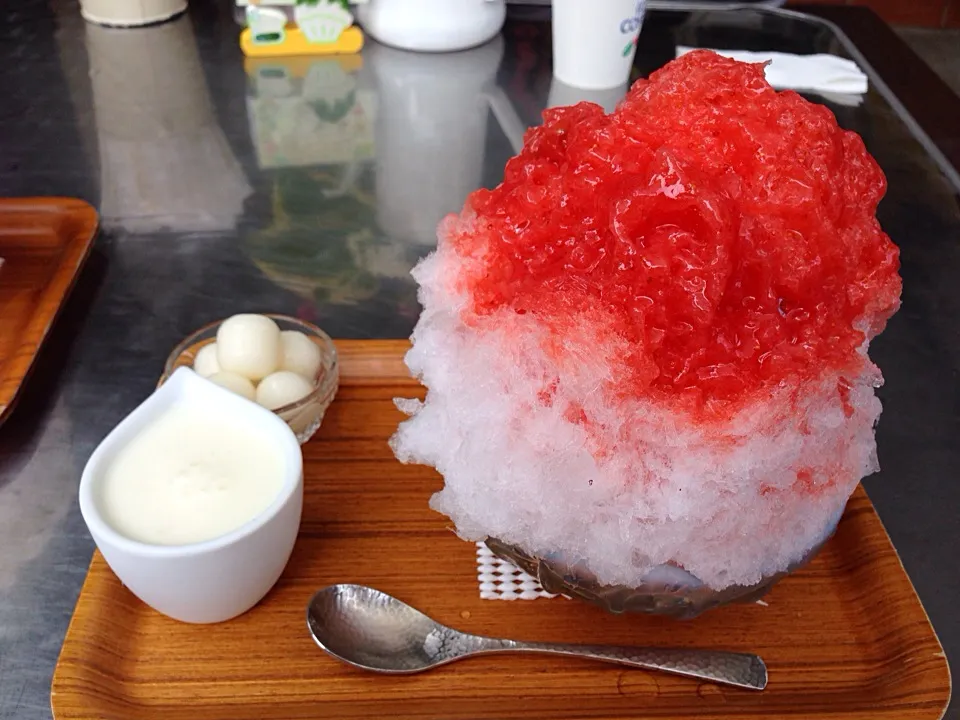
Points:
(305, 415)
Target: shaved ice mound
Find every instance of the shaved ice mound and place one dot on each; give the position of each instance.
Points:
(647, 348)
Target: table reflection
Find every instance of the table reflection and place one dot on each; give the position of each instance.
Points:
(431, 133)
(164, 160)
(312, 126)
(362, 157)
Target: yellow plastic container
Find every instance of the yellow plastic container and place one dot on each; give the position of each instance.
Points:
(296, 43)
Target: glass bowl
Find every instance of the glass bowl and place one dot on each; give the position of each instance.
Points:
(305, 415)
(666, 590)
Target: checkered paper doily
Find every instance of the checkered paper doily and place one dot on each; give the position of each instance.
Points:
(501, 580)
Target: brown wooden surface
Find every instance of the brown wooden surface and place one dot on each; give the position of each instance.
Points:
(846, 637)
(44, 243)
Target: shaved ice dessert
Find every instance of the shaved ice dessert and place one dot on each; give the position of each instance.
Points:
(646, 350)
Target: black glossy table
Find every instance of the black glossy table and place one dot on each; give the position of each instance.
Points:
(313, 190)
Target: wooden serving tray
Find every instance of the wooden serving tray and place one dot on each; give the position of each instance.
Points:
(44, 243)
(845, 637)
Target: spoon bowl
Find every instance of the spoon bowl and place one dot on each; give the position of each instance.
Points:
(374, 631)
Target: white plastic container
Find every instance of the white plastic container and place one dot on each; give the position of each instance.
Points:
(595, 41)
(213, 580)
(432, 25)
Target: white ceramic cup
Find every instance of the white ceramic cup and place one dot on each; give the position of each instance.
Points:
(594, 41)
(130, 13)
(217, 579)
(432, 25)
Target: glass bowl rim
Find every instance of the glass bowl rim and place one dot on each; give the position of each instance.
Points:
(327, 382)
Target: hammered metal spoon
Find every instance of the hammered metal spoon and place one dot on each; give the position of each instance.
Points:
(374, 631)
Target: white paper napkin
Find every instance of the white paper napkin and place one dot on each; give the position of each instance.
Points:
(837, 78)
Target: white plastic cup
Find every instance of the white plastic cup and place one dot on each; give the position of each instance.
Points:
(595, 41)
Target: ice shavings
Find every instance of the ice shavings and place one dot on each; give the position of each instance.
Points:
(648, 346)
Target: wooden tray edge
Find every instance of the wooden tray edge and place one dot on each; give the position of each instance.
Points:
(59, 686)
(944, 662)
(83, 230)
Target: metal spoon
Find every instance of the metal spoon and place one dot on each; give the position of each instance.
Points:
(374, 631)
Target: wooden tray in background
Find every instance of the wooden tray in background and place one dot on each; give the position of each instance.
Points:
(844, 638)
(44, 243)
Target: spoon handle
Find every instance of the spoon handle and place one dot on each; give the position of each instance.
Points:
(727, 668)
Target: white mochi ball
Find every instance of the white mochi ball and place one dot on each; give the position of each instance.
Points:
(300, 354)
(234, 383)
(205, 363)
(282, 388)
(249, 345)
